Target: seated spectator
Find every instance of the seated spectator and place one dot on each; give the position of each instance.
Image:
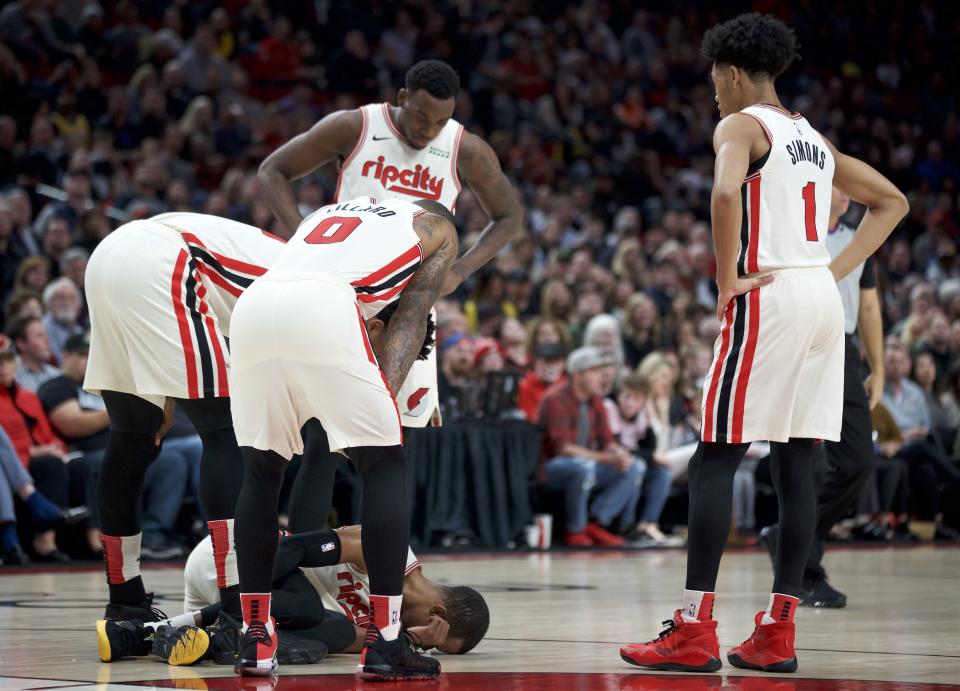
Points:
(40, 451)
(641, 329)
(885, 501)
(23, 303)
(63, 304)
(546, 330)
(488, 296)
(929, 468)
(81, 419)
(925, 373)
(33, 273)
(455, 375)
(512, 338)
(29, 335)
(603, 332)
(589, 304)
(547, 371)
(580, 454)
(16, 481)
(630, 424)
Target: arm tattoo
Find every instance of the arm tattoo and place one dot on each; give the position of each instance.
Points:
(408, 325)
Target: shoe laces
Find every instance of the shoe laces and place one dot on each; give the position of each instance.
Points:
(257, 631)
(158, 613)
(670, 627)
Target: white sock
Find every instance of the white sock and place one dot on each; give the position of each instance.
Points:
(697, 606)
(386, 614)
(185, 619)
(780, 608)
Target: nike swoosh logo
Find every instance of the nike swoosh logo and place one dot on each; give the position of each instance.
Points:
(380, 139)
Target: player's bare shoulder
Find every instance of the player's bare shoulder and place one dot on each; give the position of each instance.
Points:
(740, 128)
(476, 158)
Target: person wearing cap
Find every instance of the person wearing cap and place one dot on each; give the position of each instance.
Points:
(80, 418)
(581, 455)
(547, 371)
(456, 367)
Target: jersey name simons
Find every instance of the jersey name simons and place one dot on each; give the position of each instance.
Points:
(801, 151)
(416, 183)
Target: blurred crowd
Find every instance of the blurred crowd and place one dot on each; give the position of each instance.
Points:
(601, 115)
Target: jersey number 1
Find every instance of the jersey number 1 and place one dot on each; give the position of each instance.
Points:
(333, 229)
(810, 211)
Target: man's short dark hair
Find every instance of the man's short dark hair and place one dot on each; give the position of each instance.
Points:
(18, 330)
(759, 44)
(436, 208)
(467, 614)
(428, 340)
(436, 77)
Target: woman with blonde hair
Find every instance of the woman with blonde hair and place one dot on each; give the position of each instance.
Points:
(33, 273)
(642, 328)
(556, 302)
(198, 117)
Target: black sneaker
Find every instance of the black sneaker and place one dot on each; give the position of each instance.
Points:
(142, 611)
(258, 650)
(15, 557)
(294, 650)
(395, 660)
(180, 646)
(116, 639)
(819, 593)
(224, 637)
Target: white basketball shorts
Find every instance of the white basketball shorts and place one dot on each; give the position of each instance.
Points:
(777, 369)
(300, 350)
(151, 332)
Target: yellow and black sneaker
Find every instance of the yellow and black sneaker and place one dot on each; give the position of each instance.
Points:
(181, 646)
(117, 639)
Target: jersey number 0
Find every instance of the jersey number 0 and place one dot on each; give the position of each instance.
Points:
(333, 229)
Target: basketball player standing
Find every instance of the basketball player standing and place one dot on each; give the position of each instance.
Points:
(414, 150)
(777, 373)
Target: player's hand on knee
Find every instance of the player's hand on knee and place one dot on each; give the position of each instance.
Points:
(169, 407)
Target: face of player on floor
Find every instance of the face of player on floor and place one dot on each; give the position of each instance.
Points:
(423, 116)
(427, 613)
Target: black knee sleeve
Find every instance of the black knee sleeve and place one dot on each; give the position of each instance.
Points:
(221, 468)
(312, 493)
(255, 530)
(710, 476)
(130, 450)
(384, 515)
(310, 550)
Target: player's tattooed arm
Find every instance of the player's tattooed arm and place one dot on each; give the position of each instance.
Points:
(480, 169)
(408, 326)
(333, 137)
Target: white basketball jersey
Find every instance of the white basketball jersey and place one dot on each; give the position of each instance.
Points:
(227, 255)
(383, 164)
(369, 244)
(345, 588)
(786, 196)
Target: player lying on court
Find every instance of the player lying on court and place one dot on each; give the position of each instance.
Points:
(320, 601)
(300, 351)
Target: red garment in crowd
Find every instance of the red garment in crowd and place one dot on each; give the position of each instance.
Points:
(531, 391)
(24, 421)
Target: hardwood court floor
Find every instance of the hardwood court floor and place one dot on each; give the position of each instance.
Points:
(557, 623)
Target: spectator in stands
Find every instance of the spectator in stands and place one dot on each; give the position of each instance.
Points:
(455, 375)
(545, 373)
(56, 238)
(929, 468)
(512, 338)
(925, 374)
(39, 450)
(603, 332)
(62, 302)
(641, 329)
(22, 304)
(546, 330)
(33, 274)
(80, 418)
(581, 454)
(29, 335)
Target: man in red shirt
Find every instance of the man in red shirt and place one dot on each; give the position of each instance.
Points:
(580, 454)
(547, 371)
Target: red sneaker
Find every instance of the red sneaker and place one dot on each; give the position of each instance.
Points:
(681, 647)
(603, 537)
(581, 539)
(258, 649)
(769, 649)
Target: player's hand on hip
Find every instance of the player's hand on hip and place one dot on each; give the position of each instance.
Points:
(739, 287)
(874, 386)
(168, 409)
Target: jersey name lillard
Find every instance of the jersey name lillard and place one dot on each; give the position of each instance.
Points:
(384, 164)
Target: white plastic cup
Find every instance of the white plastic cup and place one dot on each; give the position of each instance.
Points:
(532, 534)
(544, 522)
